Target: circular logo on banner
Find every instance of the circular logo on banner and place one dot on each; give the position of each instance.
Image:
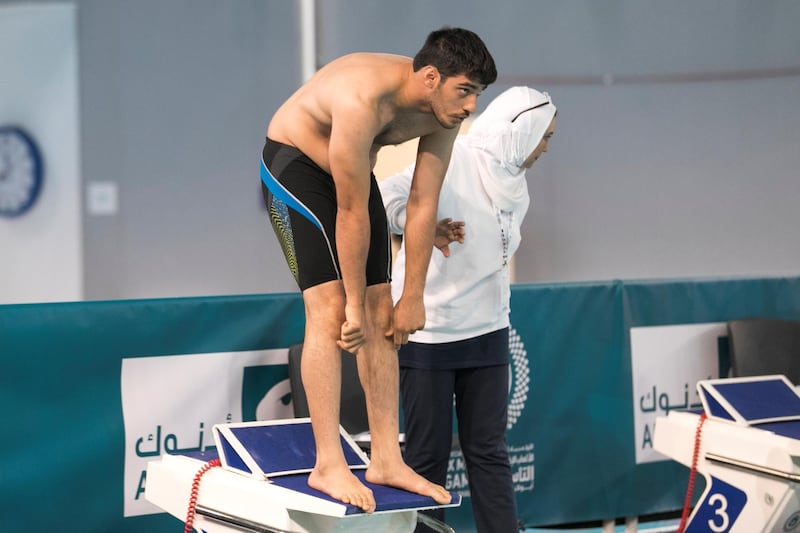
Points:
(20, 171)
(520, 377)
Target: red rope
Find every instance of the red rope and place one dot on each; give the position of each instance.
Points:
(692, 474)
(195, 490)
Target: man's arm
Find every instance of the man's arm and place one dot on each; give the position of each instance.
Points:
(354, 126)
(433, 156)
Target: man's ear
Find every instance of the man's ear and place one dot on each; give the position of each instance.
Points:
(430, 76)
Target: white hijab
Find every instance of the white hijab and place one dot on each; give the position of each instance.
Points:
(506, 134)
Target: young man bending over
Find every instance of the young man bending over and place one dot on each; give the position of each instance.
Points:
(327, 212)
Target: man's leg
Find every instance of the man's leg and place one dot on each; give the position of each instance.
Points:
(321, 370)
(379, 372)
(481, 408)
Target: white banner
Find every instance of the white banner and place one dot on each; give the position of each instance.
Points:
(41, 246)
(170, 403)
(666, 364)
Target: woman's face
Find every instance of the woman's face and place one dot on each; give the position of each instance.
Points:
(542, 147)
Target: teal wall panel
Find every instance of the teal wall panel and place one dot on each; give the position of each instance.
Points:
(572, 426)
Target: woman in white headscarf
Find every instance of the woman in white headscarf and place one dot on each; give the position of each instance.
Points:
(463, 350)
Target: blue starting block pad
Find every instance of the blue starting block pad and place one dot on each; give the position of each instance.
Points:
(276, 448)
(750, 401)
(748, 453)
(263, 485)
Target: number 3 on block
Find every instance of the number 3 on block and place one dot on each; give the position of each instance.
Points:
(719, 509)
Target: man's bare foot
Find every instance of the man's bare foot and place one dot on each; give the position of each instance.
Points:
(403, 477)
(342, 485)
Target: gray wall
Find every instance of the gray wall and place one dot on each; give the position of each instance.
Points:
(678, 142)
(176, 96)
(676, 152)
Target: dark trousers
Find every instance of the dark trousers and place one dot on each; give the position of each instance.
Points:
(481, 405)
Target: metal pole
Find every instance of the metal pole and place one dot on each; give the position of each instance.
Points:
(308, 38)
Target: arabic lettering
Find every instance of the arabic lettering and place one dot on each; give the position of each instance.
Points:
(169, 443)
(652, 401)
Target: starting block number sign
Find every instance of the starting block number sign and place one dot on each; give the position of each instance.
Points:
(721, 506)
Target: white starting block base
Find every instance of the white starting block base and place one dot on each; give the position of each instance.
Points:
(232, 501)
(752, 472)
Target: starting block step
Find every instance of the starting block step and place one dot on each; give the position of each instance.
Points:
(275, 448)
(263, 485)
(386, 498)
(747, 449)
(750, 401)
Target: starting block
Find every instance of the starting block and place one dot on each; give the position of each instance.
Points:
(748, 451)
(262, 486)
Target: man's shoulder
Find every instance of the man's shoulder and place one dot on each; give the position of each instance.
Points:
(365, 76)
(373, 57)
(368, 60)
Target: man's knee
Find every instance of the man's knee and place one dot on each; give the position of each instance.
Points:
(380, 306)
(324, 304)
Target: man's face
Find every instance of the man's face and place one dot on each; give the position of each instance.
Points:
(454, 99)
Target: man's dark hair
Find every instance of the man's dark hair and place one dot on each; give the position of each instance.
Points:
(455, 51)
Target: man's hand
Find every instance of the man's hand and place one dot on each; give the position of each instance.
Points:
(447, 231)
(352, 335)
(408, 317)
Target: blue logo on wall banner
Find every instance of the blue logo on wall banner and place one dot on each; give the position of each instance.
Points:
(719, 509)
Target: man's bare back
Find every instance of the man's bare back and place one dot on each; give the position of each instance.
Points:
(364, 84)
